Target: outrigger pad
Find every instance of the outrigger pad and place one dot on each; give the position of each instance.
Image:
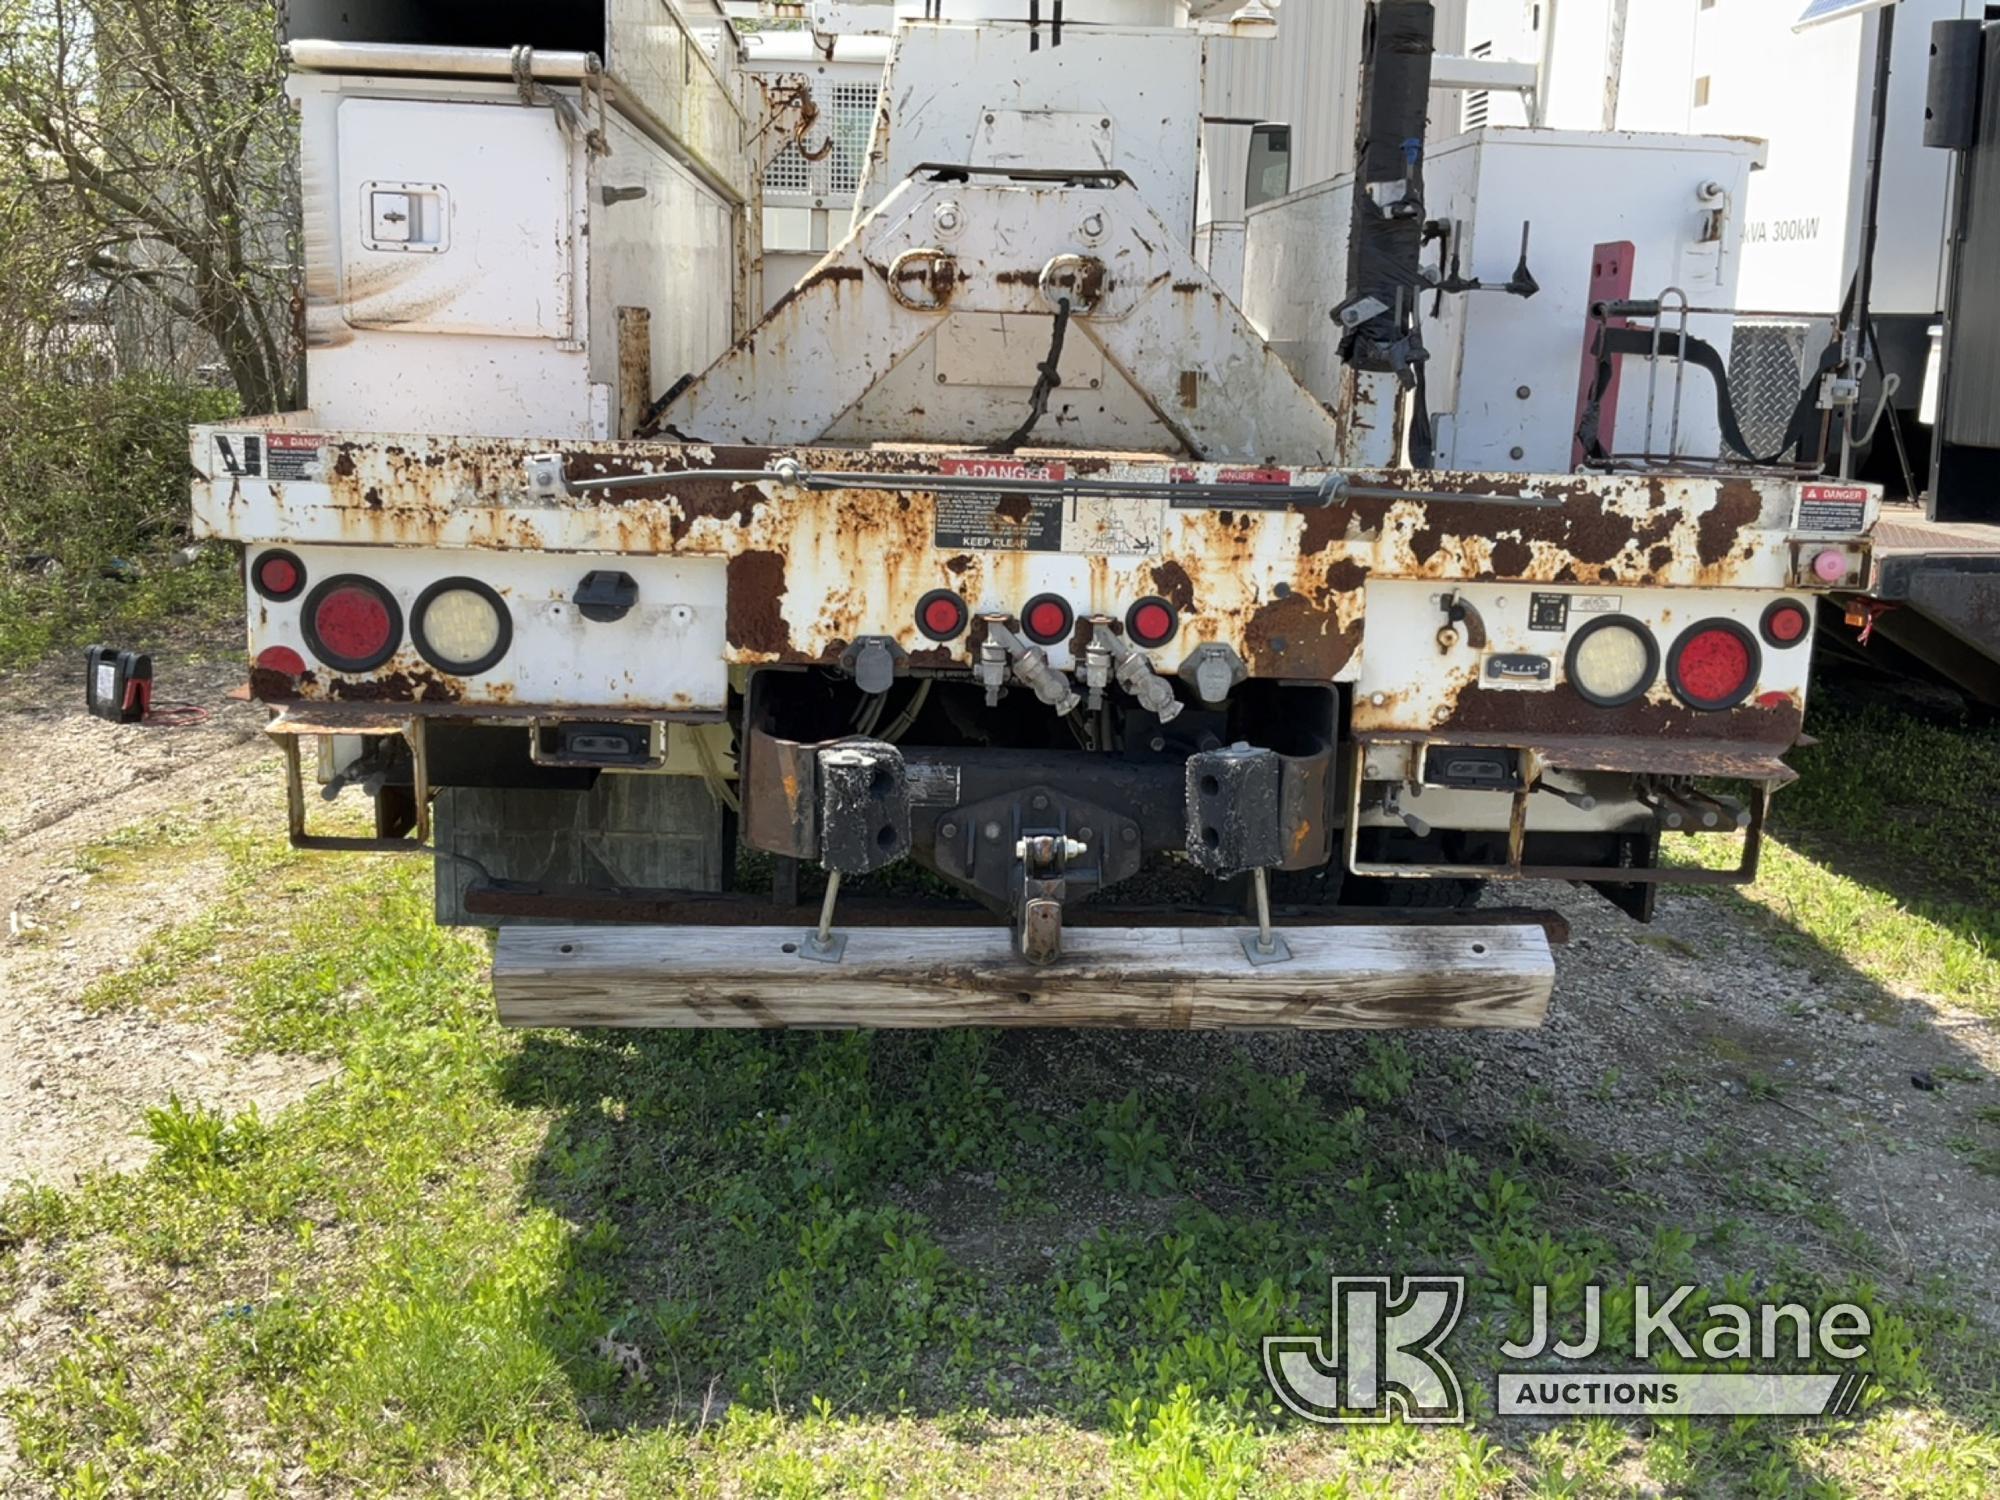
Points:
(1180, 978)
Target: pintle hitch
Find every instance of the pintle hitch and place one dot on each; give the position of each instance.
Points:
(1043, 860)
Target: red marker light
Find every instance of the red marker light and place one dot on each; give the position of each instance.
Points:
(942, 615)
(1046, 619)
(278, 576)
(281, 659)
(1151, 622)
(1785, 623)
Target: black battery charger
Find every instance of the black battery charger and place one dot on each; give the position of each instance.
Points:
(118, 685)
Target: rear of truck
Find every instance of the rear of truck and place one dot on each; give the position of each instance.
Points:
(1059, 654)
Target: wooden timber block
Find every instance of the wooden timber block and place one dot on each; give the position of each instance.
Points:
(1176, 978)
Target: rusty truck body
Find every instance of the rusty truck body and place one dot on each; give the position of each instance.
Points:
(1004, 547)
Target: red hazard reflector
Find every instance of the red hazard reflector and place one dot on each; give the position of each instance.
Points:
(352, 624)
(1713, 665)
(1151, 622)
(1046, 619)
(941, 615)
(281, 659)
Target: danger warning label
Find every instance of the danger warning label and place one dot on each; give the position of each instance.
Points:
(268, 455)
(1831, 507)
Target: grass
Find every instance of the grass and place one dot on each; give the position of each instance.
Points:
(42, 615)
(1885, 859)
(872, 1264)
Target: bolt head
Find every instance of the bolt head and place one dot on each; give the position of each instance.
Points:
(1378, 699)
(1039, 803)
(1128, 836)
(1085, 832)
(1523, 392)
(991, 830)
(948, 830)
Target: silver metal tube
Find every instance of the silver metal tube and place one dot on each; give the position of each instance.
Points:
(1680, 370)
(1261, 884)
(312, 56)
(825, 934)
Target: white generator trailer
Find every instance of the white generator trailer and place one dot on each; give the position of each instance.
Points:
(1000, 586)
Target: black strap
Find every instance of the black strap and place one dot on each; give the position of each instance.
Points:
(1045, 382)
(1612, 343)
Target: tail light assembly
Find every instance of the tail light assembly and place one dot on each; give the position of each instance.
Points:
(1714, 665)
(351, 623)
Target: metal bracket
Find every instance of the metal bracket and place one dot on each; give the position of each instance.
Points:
(828, 950)
(1253, 949)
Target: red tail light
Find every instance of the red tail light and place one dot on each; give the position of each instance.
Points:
(278, 576)
(352, 624)
(1714, 665)
(1046, 619)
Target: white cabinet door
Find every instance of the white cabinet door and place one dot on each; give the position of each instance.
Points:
(456, 218)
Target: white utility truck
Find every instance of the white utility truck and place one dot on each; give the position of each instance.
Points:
(1120, 656)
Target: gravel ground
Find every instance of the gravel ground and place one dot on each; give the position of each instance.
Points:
(74, 1083)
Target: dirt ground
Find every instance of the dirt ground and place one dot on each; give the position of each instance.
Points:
(1744, 1085)
(75, 1084)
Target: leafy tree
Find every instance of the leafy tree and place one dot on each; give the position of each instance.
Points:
(145, 150)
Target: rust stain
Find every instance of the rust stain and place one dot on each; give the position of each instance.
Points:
(413, 685)
(1297, 638)
(1562, 714)
(756, 617)
(1736, 506)
(1171, 581)
(1511, 557)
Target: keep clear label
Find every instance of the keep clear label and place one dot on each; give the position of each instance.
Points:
(1831, 507)
(975, 520)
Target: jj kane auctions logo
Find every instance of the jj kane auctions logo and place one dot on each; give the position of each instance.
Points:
(1383, 1358)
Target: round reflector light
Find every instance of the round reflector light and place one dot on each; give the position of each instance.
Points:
(1046, 619)
(461, 626)
(352, 623)
(1785, 623)
(1830, 566)
(1612, 661)
(1151, 622)
(1713, 665)
(942, 615)
(278, 576)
